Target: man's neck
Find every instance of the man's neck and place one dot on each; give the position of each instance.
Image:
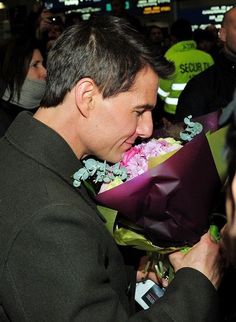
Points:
(229, 54)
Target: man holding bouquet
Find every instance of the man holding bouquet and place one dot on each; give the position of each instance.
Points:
(57, 260)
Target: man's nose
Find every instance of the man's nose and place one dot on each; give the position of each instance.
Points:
(145, 125)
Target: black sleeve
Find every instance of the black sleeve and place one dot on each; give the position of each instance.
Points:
(189, 298)
(192, 100)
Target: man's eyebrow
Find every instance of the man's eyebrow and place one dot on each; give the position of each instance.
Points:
(146, 107)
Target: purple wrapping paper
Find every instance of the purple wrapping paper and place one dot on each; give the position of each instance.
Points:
(170, 203)
(209, 121)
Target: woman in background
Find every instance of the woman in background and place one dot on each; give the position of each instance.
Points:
(22, 79)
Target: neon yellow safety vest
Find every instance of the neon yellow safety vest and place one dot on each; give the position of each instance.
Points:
(189, 62)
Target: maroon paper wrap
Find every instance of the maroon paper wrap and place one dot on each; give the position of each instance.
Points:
(171, 203)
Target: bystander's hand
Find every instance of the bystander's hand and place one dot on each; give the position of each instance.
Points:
(228, 244)
(44, 22)
(204, 256)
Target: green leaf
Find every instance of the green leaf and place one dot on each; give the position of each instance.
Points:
(216, 142)
(128, 237)
(89, 187)
(110, 216)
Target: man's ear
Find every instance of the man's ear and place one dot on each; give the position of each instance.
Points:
(222, 34)
(84, 91)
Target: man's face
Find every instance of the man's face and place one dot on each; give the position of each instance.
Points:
(228, 33)
(115, 123)
(156, 35)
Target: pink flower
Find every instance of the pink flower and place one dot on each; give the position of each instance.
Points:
(135, 160)
(129, 155)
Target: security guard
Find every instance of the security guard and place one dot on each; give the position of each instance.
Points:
(188, 60)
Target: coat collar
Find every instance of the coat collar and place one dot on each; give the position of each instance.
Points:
(47, 147)
(43, 144)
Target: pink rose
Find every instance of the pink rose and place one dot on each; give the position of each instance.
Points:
(129, 155)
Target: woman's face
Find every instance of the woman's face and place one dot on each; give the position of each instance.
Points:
(36, 69)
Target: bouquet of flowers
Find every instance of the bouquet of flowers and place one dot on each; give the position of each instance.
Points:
(159, 197)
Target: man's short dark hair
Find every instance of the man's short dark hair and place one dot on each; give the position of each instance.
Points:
(106, 49)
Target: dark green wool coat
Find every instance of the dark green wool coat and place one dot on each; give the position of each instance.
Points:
(58, 262)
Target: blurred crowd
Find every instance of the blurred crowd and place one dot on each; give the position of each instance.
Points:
(44, 26)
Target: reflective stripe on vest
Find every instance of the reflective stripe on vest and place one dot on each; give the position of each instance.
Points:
(172, 101)
(162, 92)
(170, 105)
(178, 87)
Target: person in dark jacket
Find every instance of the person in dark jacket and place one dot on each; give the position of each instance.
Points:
(213, 88)
(228, 233)
(22, 78)
(58, 262)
